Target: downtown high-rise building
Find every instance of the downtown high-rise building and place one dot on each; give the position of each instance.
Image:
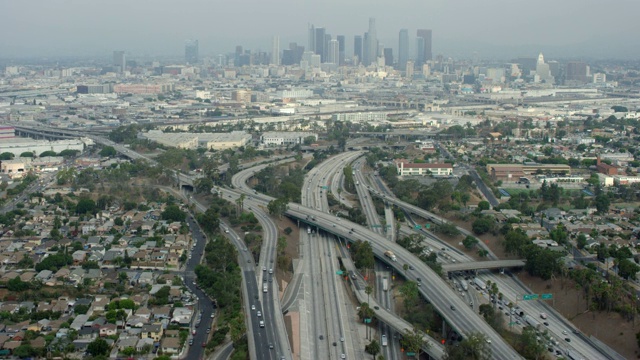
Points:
(341, 49)
(119, 61)
(311, 39)
(333, 52)
(388, 56)
(403, 48)
(357, 49)
(191, 51)
(275, 51)
(371, 44)
(426, 53)
(320, 43)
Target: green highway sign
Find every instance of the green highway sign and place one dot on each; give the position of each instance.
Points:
(376, 226)
(530, 297)
(325, 187)
(367, 320)
(512, 323)
(339, 272)
(417, 227)
(411, 354)
(427, 226)
(546, 296)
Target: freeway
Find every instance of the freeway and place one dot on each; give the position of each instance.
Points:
(580, 344)
(391, 351)
(451, 307)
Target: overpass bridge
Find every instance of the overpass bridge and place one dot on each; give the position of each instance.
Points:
(483, 265)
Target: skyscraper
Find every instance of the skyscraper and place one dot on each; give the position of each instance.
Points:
(275, 51)
(357, 49)
(403, 48)
(419, 58)
(341, 49)
(388, 56)
(191, 51)
(119, 61)
(425, 34)
(372, 43)
(319, 47)
(312, 38)
(334, 52)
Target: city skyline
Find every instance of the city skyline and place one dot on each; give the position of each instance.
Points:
(570, 29)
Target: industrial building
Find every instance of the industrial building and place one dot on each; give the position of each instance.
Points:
(274, 138)
(212, 141)
(513, 172)
(405, 168)
(19, 145)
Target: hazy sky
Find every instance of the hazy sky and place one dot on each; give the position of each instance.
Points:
(491, 28)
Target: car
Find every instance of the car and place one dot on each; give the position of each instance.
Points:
(564, 332)
(341, 338)
(212, 315)
(270, 271)
(264, 268)
(253, 307)
(343, 356)
(453, 308)
(488, 341)
(546, 323)
(270, 346)
(567, 339)
(191, 342)
(419, 279)
(411, 267)
(270, 280)
(419, 284)
(208, 330)
(259, 313)
(204, 344)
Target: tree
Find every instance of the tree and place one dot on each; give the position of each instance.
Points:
(98, 347)
(474, 347)
(602, 203)
(627, 269)
(483, 224)
(27, 154)
(373, 348)
(108, 151)
(528, 345)
(484, 205)
(6, 156)
(469, 242)
(409, 291)
(278, 207)
(48, 153)
(413, 341)
(173, 213)
(581, 241)
(85, 205)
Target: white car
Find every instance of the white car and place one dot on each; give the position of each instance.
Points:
(253, 307)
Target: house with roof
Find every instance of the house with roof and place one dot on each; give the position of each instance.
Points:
(152, 331)
(108, 330)
(170, 345)
(126, 342)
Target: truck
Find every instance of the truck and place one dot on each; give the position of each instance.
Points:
(479, 283)
(531, 321)
(385, 284)
(464, 285)
(384, 340)
(264, 288)
(390, 255)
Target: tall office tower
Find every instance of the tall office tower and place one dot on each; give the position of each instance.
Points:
(341, 48)
(388, 57)
(425, 34)
(334, 52)
(311, 38)
(403, 48)
(327, 39)
(357, 49)
(372, 42)
(275, 51)
(292, 55)
(365, 50)
(319, 47)
(238, 54)
(408, 70)
(191, 51)
(577, 71)
(419, 58)
(119, 61)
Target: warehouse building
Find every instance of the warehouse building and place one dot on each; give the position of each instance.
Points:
(405, 168)
(279, 138)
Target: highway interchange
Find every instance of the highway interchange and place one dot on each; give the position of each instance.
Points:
(456, 311)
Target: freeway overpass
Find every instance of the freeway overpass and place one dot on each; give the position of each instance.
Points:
(482, 265)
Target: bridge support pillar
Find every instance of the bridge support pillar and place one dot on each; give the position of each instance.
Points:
(444, 329)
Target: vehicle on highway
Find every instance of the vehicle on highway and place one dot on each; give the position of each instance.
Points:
(259, 313)
(253, 307)
(384, 340)
(264, 288)
(270, 271)
(261, 323)
(390, 255)
(453, 307)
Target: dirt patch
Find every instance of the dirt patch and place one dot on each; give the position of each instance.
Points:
(609, 328)
(292, 250)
